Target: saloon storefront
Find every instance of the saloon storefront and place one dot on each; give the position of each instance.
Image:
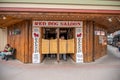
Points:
(49, 35)
(50, 29)
(35, 40)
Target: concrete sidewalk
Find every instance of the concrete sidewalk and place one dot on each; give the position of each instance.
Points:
(105, 68)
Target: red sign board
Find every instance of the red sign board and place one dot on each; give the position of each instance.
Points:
(57, 23)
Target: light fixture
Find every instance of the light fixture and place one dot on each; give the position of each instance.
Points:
(110, 19)
(4, 17)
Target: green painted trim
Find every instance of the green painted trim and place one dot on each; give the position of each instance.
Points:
(67, 2)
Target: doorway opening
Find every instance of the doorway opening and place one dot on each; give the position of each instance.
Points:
(58, 43)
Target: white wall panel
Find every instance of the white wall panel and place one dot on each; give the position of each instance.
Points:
(3, 38)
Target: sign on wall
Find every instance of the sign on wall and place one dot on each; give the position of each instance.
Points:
(99, 33)
(36, 54)
(103, 40)
(79, 54)
(57, 23)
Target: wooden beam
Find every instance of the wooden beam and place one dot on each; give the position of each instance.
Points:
(11, 22)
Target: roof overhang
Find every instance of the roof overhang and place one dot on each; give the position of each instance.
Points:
(97, 13)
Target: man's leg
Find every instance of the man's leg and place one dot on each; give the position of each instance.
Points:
(64, 57)
(3, 55)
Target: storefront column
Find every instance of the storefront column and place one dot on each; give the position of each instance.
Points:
(30, 42)
(88, 41)
(26, 55)
(58, 55)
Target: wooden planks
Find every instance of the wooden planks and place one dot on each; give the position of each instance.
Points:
(70, 46)
(84, 41)
(92, 49)
(88, 44)
(24, 43)
(62, 46)
(26, 55)
(30, 42)
(20, 41)
(100, 49)
(73, 56)
(50, 46)
(53, 46)
(45, 46)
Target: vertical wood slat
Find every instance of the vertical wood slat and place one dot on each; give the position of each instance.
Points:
(40, 45)
(30, 42)
(75, 48)
(88, 41)
(26, 55)
(58, 55)
(91, 38)
(73, 56)
(22, 54)
(84, 41)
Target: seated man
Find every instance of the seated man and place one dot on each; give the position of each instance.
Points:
(6, 51)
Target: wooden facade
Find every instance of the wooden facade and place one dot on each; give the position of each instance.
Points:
(88, 39)
(98, 19)
(23, 42)
(100, 47)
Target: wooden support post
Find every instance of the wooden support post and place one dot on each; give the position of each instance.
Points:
(26, 44)
(58, 32)
(84, 41)
(88, 41)
(93, 51)
(30, 42)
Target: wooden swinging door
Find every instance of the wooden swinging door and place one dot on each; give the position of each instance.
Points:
(52, 42)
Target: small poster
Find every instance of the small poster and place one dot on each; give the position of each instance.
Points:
(79, 32)
(104, 41)
(36, 58)
(36, 33)
(79, 58)
(97, 32)
(100, 39)
(36, 54)
(79, 54)
(102, 33)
